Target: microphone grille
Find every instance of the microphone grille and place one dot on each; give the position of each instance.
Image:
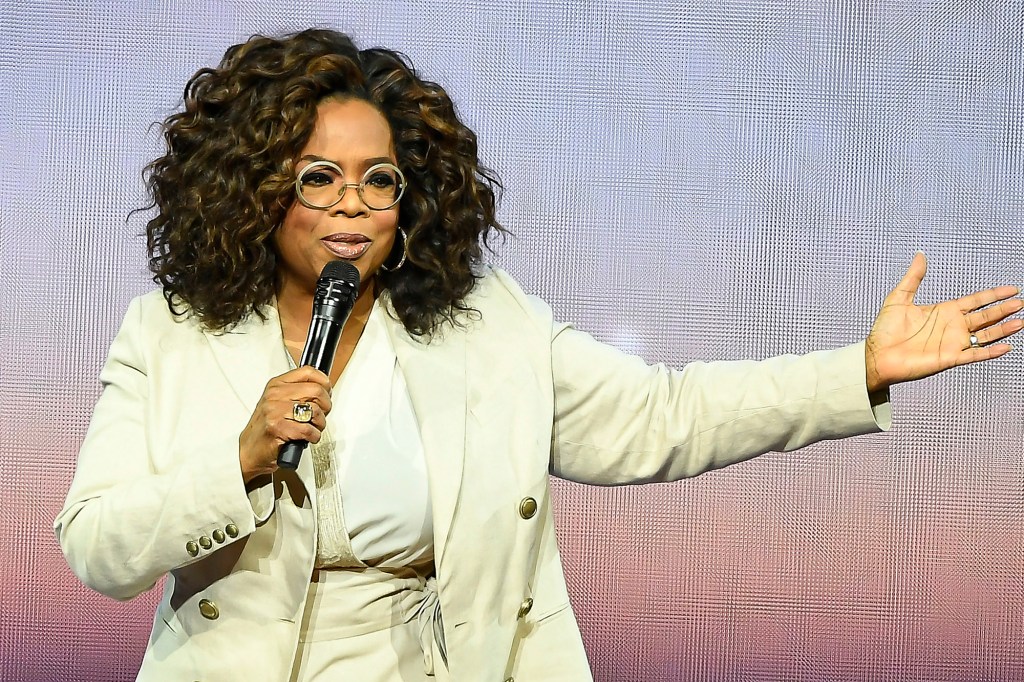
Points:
(343, 271)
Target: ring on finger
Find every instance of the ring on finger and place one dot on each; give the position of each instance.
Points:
(302, 412)
(974, 341)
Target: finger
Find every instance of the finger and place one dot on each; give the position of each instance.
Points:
(306, 392)
(320, 397)
(311, 393)
(972, 355)
(289, 430)
(301, 375)
(317, 418)
(907, 288)
(293, 410)
(999, 332)
(283, 426)
(323, 399)
(986, 317)
(983, 298)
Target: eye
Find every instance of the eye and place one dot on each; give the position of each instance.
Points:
(317, 178)
(381, 180)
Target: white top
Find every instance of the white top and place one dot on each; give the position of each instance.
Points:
(371, 478)
(370, 609)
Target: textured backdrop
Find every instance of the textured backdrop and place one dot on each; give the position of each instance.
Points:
(685, 180)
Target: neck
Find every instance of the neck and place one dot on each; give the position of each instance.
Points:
(295, 308)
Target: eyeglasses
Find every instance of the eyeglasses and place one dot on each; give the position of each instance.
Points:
(321, 184)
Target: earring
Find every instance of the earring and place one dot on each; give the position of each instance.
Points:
(405, 239)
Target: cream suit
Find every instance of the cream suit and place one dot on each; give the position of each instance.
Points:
(501, 402)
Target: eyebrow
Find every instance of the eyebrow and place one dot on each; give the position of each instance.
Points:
(368, 162)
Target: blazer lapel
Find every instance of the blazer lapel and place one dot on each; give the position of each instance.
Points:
(435, 374)
(250, 355)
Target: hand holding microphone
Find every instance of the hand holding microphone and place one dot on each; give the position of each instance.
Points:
(282, 425)
(336, 292)
(273, 422)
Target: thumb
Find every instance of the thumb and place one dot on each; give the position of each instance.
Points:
(907, 288)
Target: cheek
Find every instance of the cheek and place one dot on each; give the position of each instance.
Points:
(387, 227)
(278, 238)
(298, 218)
(390, 219)
(297, 221)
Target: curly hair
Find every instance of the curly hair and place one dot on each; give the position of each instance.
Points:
(226, 179)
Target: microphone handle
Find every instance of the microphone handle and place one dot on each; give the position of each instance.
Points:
(321, 345)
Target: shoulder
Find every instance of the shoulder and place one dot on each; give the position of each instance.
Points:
(498, 298)
(149, 324)
(151, 304)
(151, 312)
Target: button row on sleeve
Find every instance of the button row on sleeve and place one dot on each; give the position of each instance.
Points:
(219, 536)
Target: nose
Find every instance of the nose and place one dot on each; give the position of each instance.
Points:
(350, 203)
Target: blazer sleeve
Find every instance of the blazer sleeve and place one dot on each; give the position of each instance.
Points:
(619, 420)
(129, 519)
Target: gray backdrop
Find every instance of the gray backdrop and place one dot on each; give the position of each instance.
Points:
(687, 180)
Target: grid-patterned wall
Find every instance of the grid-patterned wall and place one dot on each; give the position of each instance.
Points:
(686, 180)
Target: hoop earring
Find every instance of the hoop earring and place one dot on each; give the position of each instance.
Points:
(405, 243)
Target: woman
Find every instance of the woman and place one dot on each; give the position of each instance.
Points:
(415, 539)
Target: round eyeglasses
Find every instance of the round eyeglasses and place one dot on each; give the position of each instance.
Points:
(321, 184)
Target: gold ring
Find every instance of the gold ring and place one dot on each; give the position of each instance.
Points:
(974, 341)
(302, 412)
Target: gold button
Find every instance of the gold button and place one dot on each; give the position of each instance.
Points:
(205, 542)
(528, 508)
(208, 609)
(218, 536)
(231, 529)
(192, 548)
(526, 607)
(510, 679)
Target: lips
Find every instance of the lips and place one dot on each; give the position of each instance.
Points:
(346, 245)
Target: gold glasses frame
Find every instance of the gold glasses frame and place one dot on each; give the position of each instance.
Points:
(344, 188)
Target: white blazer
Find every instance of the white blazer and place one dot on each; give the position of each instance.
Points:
(501, 402)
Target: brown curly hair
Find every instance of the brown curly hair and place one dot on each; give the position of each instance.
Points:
(225, 182)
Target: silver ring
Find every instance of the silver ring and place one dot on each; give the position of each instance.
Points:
(974, 341)
(302, 412)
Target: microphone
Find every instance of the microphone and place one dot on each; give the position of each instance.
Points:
(336, 291)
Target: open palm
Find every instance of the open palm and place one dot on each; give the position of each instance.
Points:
(909, 341)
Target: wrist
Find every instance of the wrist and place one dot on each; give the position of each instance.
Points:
(873, 378)
(251, 469)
